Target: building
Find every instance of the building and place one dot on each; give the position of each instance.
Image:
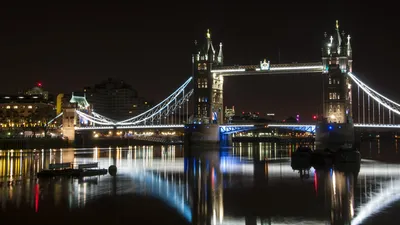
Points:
(337, 61)
(38, 91)
(208, 88)
(25, 111)
(229, 113)
(31, 108)
(115, 99)
(61, 101)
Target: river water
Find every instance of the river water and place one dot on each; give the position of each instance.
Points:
(248, 183)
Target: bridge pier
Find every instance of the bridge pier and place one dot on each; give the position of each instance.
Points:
(201, 134)
(226, 139)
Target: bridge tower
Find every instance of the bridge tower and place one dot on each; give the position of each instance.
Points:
(208, 87)
(337, 62)
(69, 119)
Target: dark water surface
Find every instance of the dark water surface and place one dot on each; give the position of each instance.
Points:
(249, 183)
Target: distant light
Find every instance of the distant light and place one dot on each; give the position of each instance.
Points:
(330, 127)
(7, 97)
(39, 84)
(314, 117)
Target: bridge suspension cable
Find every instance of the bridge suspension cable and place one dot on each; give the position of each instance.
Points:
(167, 111)
(93, 119)
(369, 115)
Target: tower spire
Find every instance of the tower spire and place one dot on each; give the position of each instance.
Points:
(349, 51)
(220, 54)
(208, 34)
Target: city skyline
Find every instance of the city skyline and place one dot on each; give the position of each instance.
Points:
(69, 47)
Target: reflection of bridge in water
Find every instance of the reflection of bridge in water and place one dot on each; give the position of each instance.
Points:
(208, 186)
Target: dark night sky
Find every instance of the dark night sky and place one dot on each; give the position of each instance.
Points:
(68, 47)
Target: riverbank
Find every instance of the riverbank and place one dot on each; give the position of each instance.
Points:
(47, 143)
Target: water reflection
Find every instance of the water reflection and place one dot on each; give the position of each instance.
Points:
(249, 183)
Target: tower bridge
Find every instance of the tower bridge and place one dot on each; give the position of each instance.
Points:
(204, 120)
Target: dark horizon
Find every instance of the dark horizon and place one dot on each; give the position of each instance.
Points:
(68, 47)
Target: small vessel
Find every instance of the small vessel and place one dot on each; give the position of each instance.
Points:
(322, 158)
(301, 158)
(66, 170)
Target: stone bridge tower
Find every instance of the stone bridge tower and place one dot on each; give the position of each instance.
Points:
(208, 87)
(69, 120)
(337, 62)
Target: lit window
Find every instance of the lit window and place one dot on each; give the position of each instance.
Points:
(8, 107)
(7, 97)
(330, 80)
(29, 107)
(15, 107)
(145, 103)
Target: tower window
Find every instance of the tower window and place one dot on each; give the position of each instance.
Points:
(202, 83)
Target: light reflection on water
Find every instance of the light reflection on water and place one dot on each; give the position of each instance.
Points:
(249, 183)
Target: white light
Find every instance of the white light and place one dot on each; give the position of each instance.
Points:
(377, 125)
(333, 116)
(131, 127)
(228, 70)
(297, 68)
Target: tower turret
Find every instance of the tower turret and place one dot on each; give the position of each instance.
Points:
(220, 55)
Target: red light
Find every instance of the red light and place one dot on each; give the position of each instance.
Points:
(314, 117)
(39, 84)
(242, 112)
(36, 197)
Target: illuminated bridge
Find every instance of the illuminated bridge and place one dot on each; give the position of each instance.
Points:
(204, 90)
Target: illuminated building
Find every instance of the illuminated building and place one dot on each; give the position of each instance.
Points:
(25, 111)
(38, 91)
(229, 113)
(207, 85)
(61, 101)
(337, 62)
(115, 99)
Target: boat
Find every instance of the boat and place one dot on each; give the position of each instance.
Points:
(301, 158)
(322, 158)
(57, 173)
(65, 170)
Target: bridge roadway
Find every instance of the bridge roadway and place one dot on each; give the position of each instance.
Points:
(233, 128)
(292, 68)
